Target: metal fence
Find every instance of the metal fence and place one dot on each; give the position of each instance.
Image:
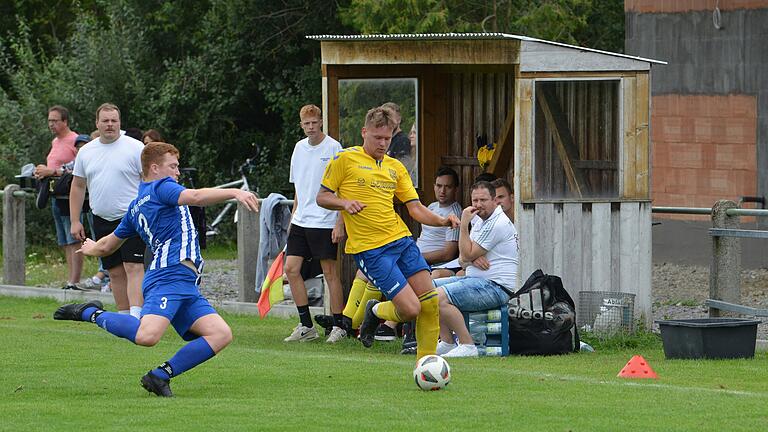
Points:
(725, 268)
(14, 242)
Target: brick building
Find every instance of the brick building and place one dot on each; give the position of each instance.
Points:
(709, 115)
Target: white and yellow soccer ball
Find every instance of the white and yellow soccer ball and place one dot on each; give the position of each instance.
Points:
(432, 373)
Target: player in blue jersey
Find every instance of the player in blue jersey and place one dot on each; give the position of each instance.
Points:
(161, 217)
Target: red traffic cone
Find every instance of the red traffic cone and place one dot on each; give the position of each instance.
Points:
(637, 367)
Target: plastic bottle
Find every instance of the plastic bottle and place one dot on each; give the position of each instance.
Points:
(478, 333)
(493, 351)
(488, 328)
(488, 316)
(585, 347)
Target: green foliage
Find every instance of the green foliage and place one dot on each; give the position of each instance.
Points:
(357, 96)
(222, 80)
(591, 23)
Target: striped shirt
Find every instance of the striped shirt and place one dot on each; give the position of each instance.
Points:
(164, 225)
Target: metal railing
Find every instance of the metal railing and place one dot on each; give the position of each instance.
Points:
(14, 242)
(725, 268)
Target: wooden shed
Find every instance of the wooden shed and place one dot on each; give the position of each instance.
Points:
(571, 133)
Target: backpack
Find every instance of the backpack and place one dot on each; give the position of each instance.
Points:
(542, 318)
(62, 185)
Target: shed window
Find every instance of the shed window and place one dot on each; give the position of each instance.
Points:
(357, 96)
(576, 153)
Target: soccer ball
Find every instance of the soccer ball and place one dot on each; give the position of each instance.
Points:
(432, 373)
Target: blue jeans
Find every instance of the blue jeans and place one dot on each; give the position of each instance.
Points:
(63, 225)
(471, 294)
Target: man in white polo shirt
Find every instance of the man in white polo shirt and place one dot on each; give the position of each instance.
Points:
(110, 167)
(315, 232)
(494, 237)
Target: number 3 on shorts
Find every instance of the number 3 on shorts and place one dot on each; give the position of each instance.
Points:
(163, 302)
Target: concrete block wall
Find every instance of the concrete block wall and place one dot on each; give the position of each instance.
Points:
(703, 148)
(709, 118)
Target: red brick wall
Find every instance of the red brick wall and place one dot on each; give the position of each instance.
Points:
(676, 6)
(703, 149)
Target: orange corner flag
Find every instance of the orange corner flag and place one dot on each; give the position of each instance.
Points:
(272, 288)
(637, 367)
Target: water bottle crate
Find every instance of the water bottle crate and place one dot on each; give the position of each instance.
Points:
(497, 326)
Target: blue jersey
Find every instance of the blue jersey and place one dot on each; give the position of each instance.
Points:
(164, 225)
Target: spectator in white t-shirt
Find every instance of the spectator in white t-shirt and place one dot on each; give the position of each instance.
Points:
(494, 237)
(110, 167)
(314, 232)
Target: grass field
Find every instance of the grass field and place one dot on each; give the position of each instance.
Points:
(74, 376)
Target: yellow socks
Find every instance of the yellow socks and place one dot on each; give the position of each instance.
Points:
(388, 312)
(371, 292)
(427, 324)
(355, 293)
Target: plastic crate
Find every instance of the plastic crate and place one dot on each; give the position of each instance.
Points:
(606, 313)
(495, 340)
(711, 338)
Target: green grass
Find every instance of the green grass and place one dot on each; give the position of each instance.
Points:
(75, 376)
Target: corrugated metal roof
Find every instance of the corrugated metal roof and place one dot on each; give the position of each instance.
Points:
(467, 36)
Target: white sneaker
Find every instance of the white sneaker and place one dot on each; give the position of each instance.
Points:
(337, 334)
(443, 348)
(302, 334)
(106, 288)
(463, 350)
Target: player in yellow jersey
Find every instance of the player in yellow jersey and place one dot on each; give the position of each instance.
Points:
(362, 181)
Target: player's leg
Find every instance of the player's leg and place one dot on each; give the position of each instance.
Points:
(114, 265)
(196, 321)
(121, 325)
(370, 293)
(324, 249)
(380, 267)
(296, 251)
(428, 319)
(355, 295)
(132, 256)
(119, 284)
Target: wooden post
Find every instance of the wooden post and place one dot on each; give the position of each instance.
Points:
(725, 271)
(14, 240)
(247, 253)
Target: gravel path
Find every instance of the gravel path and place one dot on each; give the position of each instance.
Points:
(679, 292)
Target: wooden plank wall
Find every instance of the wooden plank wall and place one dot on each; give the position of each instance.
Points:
(603, 246)
(478, 105)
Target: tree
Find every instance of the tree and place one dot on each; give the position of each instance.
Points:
(591, 23)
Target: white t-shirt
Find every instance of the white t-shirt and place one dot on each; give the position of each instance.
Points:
(434, 238)
(498, 236)
(307, 167)
(112, 173)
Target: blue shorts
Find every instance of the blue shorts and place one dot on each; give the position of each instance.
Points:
(173, 294)
(63, 226)
(389, 266)
(471, 294)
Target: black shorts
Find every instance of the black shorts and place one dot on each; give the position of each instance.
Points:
(311, 243)
(131, 251)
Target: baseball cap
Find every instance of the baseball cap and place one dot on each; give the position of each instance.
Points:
(82, 138)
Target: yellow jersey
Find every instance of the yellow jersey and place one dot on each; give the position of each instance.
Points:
(355, 175)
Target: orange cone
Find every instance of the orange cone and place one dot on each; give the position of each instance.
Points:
(637, 367)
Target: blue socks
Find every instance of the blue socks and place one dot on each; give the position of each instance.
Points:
(189, 356)
(126, 327)
(123, 326)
